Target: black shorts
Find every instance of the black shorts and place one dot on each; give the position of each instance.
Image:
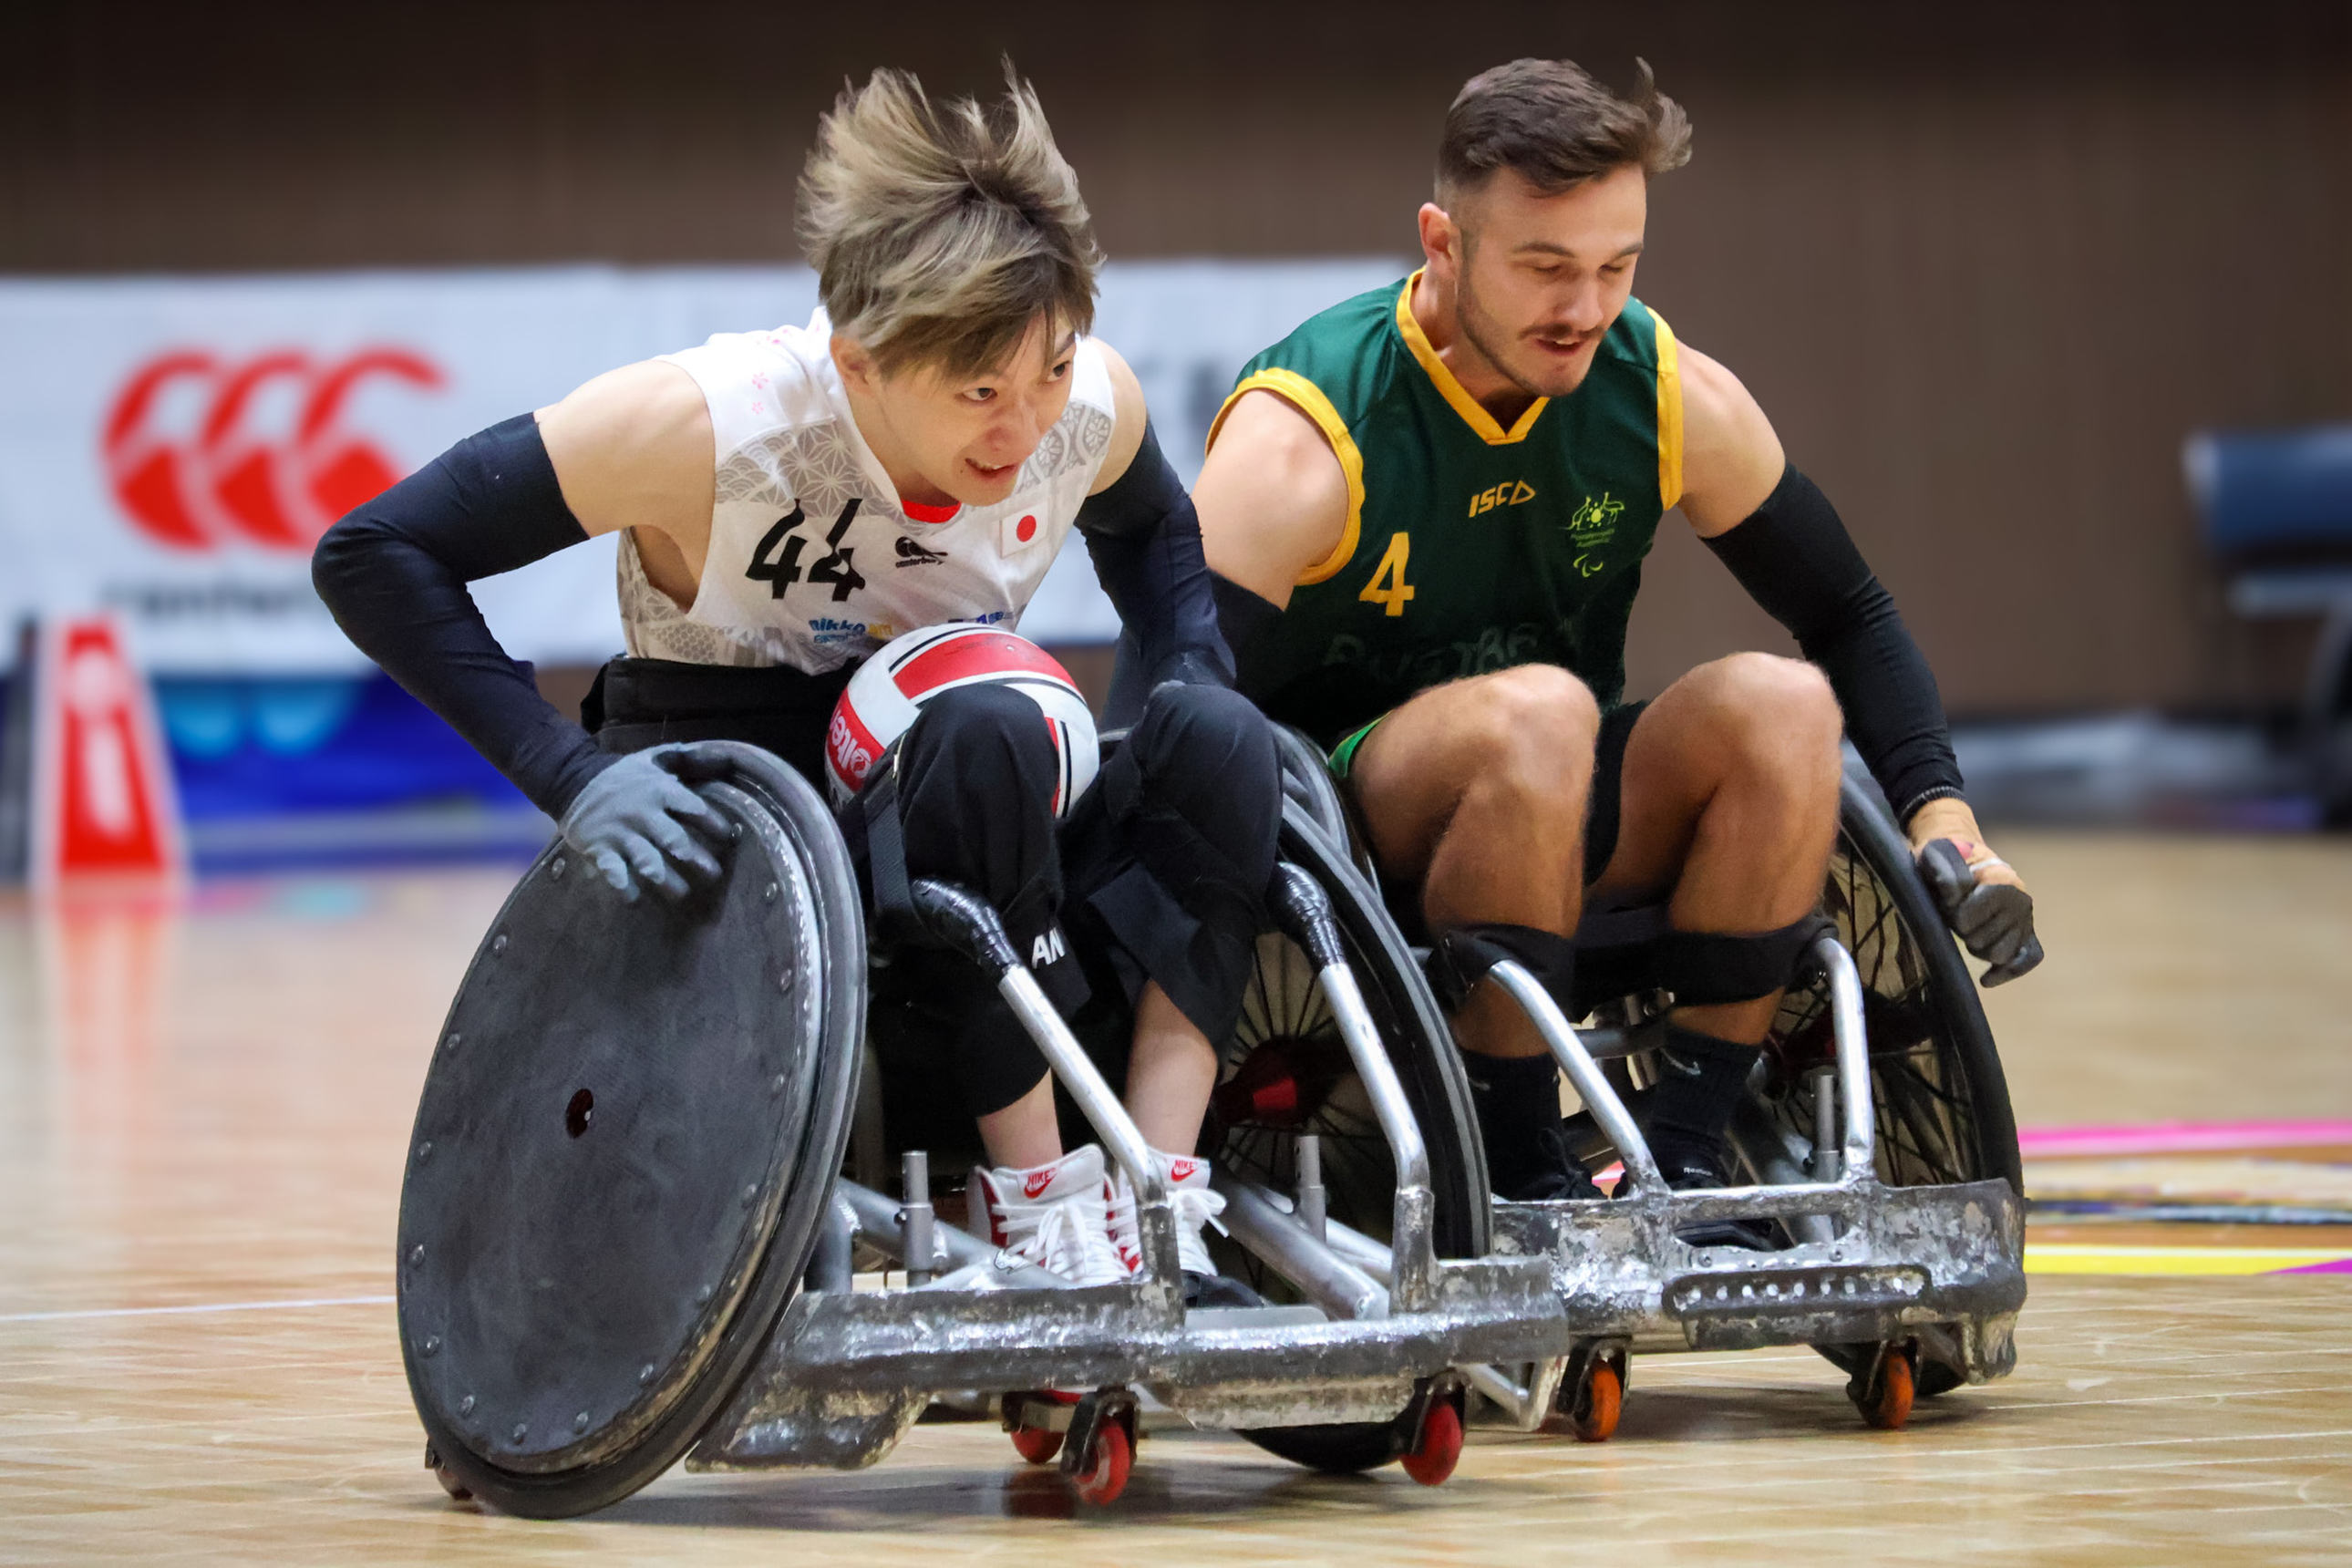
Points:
(641, 702)
(1155, 874)
(1601, 806)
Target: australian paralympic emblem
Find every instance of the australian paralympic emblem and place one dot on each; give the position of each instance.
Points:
(1593, 525)
(199, 485)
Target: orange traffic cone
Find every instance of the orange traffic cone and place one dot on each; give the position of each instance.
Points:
(100, 811)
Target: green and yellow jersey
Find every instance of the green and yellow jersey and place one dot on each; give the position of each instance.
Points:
(1468, 547)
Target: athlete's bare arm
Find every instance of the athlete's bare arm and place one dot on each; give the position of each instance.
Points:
(1731, 460)
(1129, 415)
(633, 448)
(1272, 497)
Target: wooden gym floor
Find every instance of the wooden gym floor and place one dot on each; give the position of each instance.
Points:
(201, 1126)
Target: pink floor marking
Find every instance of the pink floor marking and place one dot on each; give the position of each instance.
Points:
(2181, 1137)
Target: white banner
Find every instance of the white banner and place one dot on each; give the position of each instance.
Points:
(171, 447)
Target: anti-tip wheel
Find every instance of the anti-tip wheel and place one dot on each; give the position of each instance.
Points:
(1110, 1458)
(1883, 1394)
(1600, 1399)
(457, 1488)
(1438, 1448)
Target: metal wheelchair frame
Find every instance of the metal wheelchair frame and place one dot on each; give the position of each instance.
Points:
(846, 1370)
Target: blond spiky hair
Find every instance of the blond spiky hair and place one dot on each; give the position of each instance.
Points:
(941, 232)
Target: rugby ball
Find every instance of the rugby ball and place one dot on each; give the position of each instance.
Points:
(891, 688)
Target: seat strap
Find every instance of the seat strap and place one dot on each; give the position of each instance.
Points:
(885, 851)
(1462, 956)
(1703, 968)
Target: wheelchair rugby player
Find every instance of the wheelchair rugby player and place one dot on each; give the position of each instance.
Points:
(1426, 509)
(788, 502)
(626, 1237)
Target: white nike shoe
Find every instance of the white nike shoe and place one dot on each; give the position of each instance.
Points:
(1188, 1194)
(1055, 1217)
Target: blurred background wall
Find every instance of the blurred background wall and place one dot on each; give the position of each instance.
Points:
(1985, 265)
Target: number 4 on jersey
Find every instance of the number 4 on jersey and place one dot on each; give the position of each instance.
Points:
(779, 573)
(1388, 587)
(837, 568)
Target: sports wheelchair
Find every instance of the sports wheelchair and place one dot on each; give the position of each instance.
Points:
(625, 1238)
(1877, 1145)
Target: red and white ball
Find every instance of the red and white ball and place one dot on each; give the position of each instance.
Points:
(890, 687)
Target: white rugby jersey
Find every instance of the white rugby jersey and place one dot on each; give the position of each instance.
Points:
(813, 560)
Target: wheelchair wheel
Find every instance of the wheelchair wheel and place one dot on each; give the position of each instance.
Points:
(1285, 1072)
(1935, 1081)
(1941, 1098)
(624, 1151)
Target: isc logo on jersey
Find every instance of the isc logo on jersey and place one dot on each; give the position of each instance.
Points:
(1510, 493)
(891, 688)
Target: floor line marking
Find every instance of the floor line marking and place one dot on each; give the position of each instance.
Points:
(2199, 1396)
(305, 1303)
(2102, 1257)
(1688, 1460)
(2181, 1136)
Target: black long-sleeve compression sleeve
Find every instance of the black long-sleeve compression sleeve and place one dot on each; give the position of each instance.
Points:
(1795, 559)
(1145, 539)
(395, 573)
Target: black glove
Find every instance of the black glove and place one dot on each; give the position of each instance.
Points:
(631, 820)
(1994, 919)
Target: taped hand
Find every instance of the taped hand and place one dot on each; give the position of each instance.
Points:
(1992, 916)
(633, 821)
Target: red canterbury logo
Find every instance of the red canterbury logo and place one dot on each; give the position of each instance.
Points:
(218, 477)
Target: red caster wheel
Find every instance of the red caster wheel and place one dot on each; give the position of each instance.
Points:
(1036, 1444)
(1600, 1399)
(457, 1489)
(1884, 1392)
(1438, 1448)
(1110, 1458)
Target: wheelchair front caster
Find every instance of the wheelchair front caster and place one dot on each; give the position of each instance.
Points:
(1437, 1447)
(1037, 1423)
(1103, 1476)
(1883, 1391)
(1097, 1449)
(1037, 1448)
(1594, 1403)
(457, 1489)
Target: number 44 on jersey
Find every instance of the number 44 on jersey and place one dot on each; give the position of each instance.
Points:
(781, 571)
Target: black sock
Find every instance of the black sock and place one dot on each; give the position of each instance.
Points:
(1702, 1081)
(1516, 1100)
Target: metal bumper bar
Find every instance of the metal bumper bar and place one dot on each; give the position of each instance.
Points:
(847, 1372)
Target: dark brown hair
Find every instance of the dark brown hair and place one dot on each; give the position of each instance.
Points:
(941, 232)
(1552, 124)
